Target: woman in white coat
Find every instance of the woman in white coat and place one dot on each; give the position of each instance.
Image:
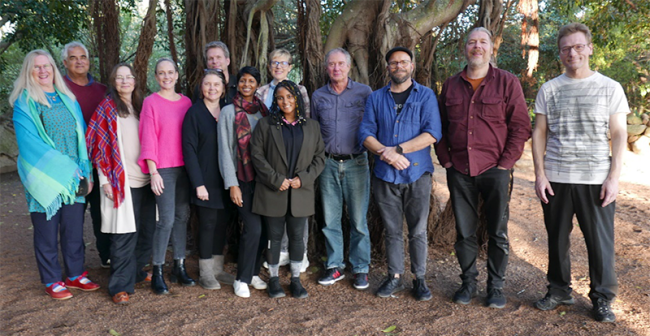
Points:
(127, 202)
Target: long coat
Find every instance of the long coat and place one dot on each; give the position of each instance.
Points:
(271, 165)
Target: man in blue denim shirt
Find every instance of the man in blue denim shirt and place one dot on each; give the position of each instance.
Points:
(400, 124)
(338, 107)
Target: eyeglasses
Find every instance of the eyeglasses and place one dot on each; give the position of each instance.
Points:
(393, 65)
(276, 64)
(567, 50)
(42, 67)
(124, 79)
(215, 69)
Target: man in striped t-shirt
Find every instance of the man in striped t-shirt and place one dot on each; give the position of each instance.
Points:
(574, 173)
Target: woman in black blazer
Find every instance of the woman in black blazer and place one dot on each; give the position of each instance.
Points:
(288, 155)
(201, 153)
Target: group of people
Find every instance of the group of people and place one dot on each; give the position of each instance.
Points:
(263, 149)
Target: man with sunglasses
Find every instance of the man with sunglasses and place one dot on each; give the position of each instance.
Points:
(485, 125)
(574, 172)
(400, 124)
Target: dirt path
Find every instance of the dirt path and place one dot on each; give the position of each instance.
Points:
(339, 309)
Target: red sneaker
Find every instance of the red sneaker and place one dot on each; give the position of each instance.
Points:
(83, 283)
(58, 291)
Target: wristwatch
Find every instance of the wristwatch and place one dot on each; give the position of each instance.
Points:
(399, 149)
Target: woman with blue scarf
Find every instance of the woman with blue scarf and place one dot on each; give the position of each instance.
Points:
(54, 168)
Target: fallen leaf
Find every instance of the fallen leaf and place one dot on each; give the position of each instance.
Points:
(389, 329)
(113, 332)
(562, 313)
(201, 296)
(452, 253)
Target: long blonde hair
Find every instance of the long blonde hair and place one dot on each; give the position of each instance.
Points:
(25, 80)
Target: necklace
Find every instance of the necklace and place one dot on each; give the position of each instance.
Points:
(51, 97)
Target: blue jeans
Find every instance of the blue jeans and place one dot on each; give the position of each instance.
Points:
(346, 181)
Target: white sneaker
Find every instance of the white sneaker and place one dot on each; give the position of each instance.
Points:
(284, 258)
(258, 283)
(241, 289)
(305, 264)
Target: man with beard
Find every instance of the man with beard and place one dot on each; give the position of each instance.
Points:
(400, 123)
(485, 125)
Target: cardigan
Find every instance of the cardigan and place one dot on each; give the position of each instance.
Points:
(271, 165)
(201, 153)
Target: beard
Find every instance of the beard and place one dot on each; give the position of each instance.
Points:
(395, 78)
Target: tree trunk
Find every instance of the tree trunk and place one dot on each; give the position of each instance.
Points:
(310, 44)
(145, 46)
(368, 29)
(170, 37)
(530, 35)
(107, 44)
(493, 16)
(203, 20)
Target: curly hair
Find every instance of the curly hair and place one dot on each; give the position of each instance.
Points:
(300, 104)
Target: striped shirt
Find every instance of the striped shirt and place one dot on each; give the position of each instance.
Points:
(577, 113)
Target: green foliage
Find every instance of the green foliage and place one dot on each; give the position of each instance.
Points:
(40, 23)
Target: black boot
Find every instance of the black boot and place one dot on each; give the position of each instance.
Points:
(297, 290)
(274, 289)
(180, 275)
(157, 281)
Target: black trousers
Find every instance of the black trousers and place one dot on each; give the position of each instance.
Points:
(130, 252)
(212, 230)
(102, 240)
(494, 186)
(253, 236)
(597, 226)
(295, 233)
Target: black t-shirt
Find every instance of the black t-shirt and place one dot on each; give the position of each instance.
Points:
(400, 98)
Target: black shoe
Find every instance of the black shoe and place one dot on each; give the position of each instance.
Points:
(550, 302)
(158, 281)
(297, 290)
(274, 289)
(361, 281)
(603, 311)
(179, 274)
(390, 286)
(465, 294)
(331, 276)
(420, 290)
(495, 298)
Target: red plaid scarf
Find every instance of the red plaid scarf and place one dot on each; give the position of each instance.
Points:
(103, 148)
(245, 171)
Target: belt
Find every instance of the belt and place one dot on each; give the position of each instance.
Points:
(342, 157)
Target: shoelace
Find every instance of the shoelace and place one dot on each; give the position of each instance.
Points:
(603, 308)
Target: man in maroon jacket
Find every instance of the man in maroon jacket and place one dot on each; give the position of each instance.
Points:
(89, 94)
(485, 124)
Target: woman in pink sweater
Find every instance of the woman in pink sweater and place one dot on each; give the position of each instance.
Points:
(161, 156)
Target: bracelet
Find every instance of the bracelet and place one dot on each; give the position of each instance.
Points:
(154, 173)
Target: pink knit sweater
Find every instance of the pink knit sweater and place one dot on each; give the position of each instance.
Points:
(161, 121)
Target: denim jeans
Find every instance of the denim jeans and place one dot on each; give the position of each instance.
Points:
(346, 181)
(68, 224)
(173, 212)
(399, 201)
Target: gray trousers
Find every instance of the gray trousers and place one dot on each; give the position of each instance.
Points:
(396, 202)
(173, 213)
